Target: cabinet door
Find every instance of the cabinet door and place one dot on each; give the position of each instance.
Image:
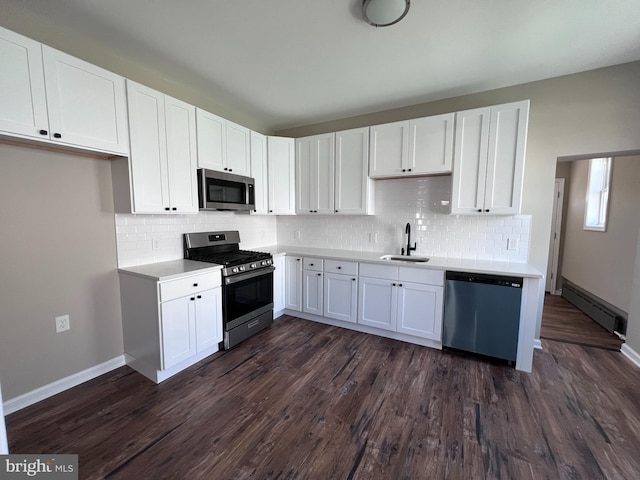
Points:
(293, 283)
(86, 104)
(470, 161)
(353, 188)
(389, 152)
(259, 172)
(420, 310)
(312, 297)
(180, 121)
(323, 173)
(208, 309)
(238, 149)
(431, 144)
(340, 297)
(281, 162)
(305, 184)
(377, 303)
(505, 165)
(23, 102)
(178, 331)
(149, 175)
(279, 284)
(211, 140)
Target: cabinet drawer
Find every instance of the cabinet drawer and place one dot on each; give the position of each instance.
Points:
(186, 286)
(421, 275)
(378, 271)
(339, 266)
(314, 264)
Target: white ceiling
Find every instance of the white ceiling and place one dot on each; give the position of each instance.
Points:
(295, 62)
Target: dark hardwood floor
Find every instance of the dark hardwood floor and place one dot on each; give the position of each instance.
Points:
(302, 400)
(562, 321)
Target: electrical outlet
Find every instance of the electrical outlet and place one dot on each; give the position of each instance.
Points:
(155, 244)
(373, 238)
(296, 234)
(512, 243)
(62, 323)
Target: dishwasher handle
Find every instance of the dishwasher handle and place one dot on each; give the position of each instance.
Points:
(487, 279)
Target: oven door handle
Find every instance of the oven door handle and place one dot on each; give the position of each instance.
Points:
(245, 276)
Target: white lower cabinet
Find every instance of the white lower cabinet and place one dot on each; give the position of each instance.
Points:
(420, 310)
(340, 297)
(293, 283)
(279, 284)
(169, 325)
(377, 303)
(403, 300)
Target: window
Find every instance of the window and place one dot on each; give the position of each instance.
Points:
(595, 212)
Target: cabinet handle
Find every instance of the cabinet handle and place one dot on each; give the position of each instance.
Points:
(487, 210)
(199, 296)
(195, 284)
(399, 284)
(319, 274)
(336, 211)
(310, 211)
(297, 259)
(393, 284)
(270, 211)
(174, 208)
(231, 169)
(479, 209)
(57, 135)
(353, 279)
(403, 170)
(44, 132)
(192, 299)
(167, 208)
(339, 268)
(225, 168)
(311, 264)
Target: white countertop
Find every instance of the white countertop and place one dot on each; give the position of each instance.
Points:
(171, 270)
(437, 263)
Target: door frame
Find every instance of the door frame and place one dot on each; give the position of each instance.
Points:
(555, 237)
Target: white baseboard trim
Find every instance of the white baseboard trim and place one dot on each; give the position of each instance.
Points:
(14, 404)
(537, 343)
(631, 354)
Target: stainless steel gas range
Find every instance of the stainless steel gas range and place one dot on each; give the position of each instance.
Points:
(247, 282)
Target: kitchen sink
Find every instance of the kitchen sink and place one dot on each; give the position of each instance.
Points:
(404, 258)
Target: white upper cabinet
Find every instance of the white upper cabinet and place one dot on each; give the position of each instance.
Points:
(423, 146)
(54, 97)
(389, 152)
(211, 140)
(23, 101)
(431, 144)
(223, 145)
(260, 172)
(488, 170)
(354, 190)
(281, 164)
(238, 149)
(163, 152)
(315, 174)
(331, 174)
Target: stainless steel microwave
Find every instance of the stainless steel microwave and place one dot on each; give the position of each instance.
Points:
(225, 191)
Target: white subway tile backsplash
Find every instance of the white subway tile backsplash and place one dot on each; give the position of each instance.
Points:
(419, 202)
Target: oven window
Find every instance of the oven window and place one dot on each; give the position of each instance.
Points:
(242, 298)
(225, 191)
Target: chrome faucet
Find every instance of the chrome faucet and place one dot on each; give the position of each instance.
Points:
(407, 230)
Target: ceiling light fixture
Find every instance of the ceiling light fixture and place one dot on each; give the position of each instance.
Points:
(383, 13)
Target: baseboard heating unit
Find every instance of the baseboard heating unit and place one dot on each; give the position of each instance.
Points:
(610, 317)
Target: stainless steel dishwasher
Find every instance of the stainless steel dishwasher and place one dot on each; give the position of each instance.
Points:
(482, 314)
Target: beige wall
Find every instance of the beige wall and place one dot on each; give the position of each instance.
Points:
(633, 334)
(58, 257)
(603, 262)
(586, 113)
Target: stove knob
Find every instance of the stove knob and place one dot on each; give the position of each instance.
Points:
(253, 265)
(264, 263)
(242, 268)
(234, 270)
